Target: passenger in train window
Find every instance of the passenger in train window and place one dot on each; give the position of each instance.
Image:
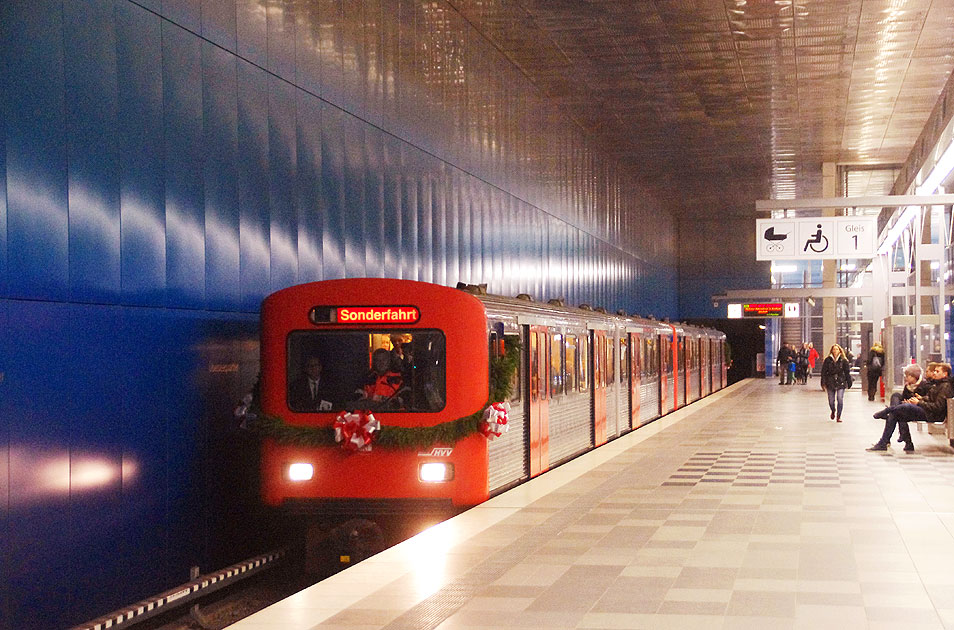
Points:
(401, 358)
(382, 384)
(309, 392)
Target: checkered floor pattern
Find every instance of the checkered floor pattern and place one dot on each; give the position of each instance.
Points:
(819, 470)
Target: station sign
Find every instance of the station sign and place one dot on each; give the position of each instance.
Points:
(367, 315)
(764, 309)
(816, 238)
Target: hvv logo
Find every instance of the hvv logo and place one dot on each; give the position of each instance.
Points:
(437, 452)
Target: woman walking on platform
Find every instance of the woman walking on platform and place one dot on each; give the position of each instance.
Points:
(835, 378)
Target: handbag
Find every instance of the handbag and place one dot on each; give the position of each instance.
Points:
(849, 382)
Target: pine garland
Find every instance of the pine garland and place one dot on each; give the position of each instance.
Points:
(502, 370)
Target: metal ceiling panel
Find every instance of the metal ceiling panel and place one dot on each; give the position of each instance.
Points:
(733, 99)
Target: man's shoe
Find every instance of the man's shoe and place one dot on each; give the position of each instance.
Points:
(832, 415)
(877, 447)
(881, 414)
(838, 419)
(909, 448)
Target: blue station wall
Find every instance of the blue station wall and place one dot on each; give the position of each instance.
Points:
(166, 164)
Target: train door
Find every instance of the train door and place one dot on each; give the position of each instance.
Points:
(598, 343)
(539, 363)
(704, 370)
(632, 374)
(681, 370)
(666, 381)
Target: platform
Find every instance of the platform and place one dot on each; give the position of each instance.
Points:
(748, 510)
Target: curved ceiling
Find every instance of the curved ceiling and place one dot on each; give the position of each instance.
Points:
(729, 101)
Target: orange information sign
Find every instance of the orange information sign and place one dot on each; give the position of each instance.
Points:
(371, 315)
(770, 309)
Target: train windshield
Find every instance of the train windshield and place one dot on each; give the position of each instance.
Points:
(392, 370)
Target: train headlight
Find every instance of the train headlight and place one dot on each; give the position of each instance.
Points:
(300, 471)
(436, 472)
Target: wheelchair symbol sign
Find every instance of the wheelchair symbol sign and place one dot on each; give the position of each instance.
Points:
(814, 237)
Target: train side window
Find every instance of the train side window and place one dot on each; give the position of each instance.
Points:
(516, 382)
(572, 369)
(556, 365)
(583, 352)
(543, 347)
(611, 360)
(624, 361)
(534, 389)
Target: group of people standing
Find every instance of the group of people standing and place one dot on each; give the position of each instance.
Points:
(795, 365)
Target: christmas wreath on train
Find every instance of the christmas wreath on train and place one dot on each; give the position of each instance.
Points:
(358, 430)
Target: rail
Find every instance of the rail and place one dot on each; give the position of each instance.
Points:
(198, 586)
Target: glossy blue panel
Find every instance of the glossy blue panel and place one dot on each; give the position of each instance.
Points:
(3, 192)
(220, 176)
(219, 22)
(438, 242)
(6, 414)
(409, 214)
(355, 214)
(307, 48)
(251, 31)
(280, 25)
(332, 191)
(282, 161)
(185, 218)
(38, 387)
(451, 186)
(254, 255)
(391, 205)
(140, 139)
(142, 430)
(425, 220)
(329, 27)
(37, 195)
(91, 118)
(94, 404)
(353, 58)
(185, 13)
(309, 199)
(377, 226)
(183, 333)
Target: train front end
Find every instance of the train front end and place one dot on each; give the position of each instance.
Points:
(368, 392)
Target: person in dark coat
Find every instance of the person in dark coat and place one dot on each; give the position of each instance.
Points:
(309, 392)
(928, 407)
(835, 375)
(875, 369)
(782, 361)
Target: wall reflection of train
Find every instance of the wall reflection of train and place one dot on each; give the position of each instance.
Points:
(584, 377)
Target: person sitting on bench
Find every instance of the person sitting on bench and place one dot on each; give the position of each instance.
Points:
(928, 407)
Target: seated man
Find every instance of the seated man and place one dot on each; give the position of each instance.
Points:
(382, 383)
(927, 407)
(309, 392)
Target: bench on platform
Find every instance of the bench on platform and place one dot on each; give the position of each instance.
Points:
(948, 423)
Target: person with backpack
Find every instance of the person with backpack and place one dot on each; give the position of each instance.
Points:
(875, 368)
(801, 373)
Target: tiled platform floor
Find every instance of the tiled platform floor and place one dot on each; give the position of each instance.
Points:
(750, 509)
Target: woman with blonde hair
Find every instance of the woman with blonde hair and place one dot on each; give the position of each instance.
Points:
(835, 377)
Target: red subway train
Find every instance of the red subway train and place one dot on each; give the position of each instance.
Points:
(374, 392)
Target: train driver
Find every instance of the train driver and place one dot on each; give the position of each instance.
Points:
(309, 392)
(383, 382)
